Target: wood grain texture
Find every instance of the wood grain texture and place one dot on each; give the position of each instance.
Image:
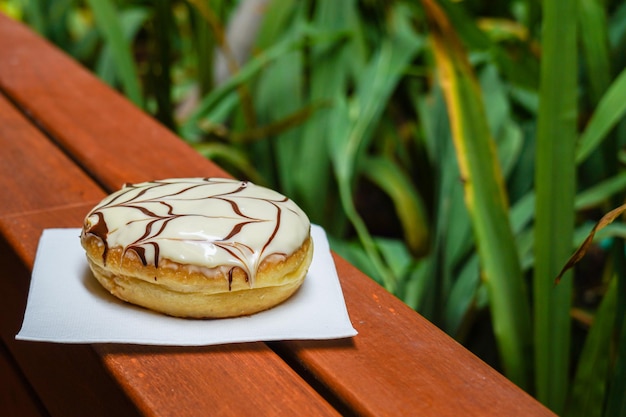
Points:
(30, 158)
(243, 378)
(112, 139)
(68, 379)
(221, 381)
(16, 396)
(402, 365)
(207, 383)
(22, 230)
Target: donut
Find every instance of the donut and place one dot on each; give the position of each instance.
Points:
(198, 247)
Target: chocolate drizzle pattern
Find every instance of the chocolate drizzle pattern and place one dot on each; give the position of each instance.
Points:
(208, 222)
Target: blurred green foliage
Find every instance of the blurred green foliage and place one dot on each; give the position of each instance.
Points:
(457, 152)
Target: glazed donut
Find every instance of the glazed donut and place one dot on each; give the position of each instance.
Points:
(198, 247)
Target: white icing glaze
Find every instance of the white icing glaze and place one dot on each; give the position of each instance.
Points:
(204, 222)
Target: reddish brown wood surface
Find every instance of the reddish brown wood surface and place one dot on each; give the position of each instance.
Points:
(28, 154)
(207, 383)
(187, 384)
(69, 380)
(160, 381)
(16, 396)
(399, 364)
(223, 380)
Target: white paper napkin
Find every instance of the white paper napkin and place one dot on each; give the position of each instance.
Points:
(67, 305)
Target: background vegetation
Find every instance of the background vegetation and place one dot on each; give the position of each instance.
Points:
(457, 152)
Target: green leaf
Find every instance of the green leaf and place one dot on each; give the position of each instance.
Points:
(354, 253)
(485, 198)
(251, 69)
(592, 374)
(329, 75)
(204, 43)
(409, 206)
(353, 124)
(34, 14)
(341, 128)
(507, 135)
(555, 185)
(462, 296)
(283, 78)
(417, 280)
(522, 212)
(601, 192)
(278, 16)
(611, 109)
(107, 20)
(452, 230)
(616, 401)
(396, 255)
(131, 21)
(595, 46)
(231, 157)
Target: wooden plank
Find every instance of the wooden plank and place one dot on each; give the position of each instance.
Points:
(22, 231)
(206, 382)
(28, 154)
(112, 139)
(222, 380)
(154, 153)
(16, 396)
(36, 177)
(400, 364)
(69, 379)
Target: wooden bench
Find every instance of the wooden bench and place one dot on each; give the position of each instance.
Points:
(66, 140)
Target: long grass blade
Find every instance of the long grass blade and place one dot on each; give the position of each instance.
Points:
(204, 44)
(485, 198)
(590, 383)
(230, 157)
(208, 12)
(245, 73)
(601, 192)
(328, 76)
(283, 78)
(408, 203)
(452, 232)
(597, 72)
(555, 187)
(343, 163)
(595, 46)
(462, 298)
(131, 21)
(616, 401)
(354, 124)
(160, 62)
(105, 15)
(213, 122)
(611, 109)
